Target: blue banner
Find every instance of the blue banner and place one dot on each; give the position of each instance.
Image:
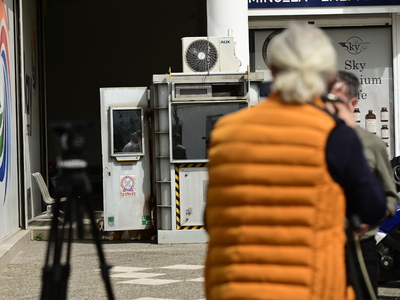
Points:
(318, 3)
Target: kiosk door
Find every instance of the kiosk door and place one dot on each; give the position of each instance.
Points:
(125, 158)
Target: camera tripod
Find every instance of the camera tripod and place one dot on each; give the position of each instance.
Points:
(74, 184)
(55, 276)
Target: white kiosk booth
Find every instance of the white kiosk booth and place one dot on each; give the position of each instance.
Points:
(126, 170)
(156, 185)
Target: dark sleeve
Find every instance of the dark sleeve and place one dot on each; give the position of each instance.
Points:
(384, 173)
(346, 164)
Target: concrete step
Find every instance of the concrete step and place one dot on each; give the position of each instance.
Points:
(40, 228)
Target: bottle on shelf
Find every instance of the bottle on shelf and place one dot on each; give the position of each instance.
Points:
(384, 132)
(357, 115)
(384, 114)
(370, 122)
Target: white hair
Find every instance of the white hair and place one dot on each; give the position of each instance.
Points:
(304, 57)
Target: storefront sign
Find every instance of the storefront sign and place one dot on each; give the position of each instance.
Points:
(317, 3)
(365, 52)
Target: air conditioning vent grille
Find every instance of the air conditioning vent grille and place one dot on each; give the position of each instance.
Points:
(201, 56)
(187, 91)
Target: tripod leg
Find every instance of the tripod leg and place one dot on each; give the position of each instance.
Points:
(55, 276)
(103, 265)
(48, 275)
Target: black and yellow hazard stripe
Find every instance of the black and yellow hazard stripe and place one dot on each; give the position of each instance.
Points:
(178, 195)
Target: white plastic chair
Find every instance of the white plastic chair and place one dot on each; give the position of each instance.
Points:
(46, 195)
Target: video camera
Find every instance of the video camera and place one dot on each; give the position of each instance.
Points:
(71, 141)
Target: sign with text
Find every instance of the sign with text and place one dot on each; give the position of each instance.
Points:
(365, 52)
(317, 3)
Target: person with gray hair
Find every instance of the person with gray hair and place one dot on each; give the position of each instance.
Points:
(305, 60)
(346, 87)
(283, 176)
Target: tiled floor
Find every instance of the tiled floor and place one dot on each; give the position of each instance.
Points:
(150, 276)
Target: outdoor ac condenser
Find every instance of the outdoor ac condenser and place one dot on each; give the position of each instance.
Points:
(209, 54)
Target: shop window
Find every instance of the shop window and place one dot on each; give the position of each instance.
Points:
(126, 131)
(192, 124)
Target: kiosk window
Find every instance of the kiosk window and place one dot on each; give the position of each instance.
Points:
(126, 131)
(191, 126)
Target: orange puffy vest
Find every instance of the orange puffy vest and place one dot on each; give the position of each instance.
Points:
(274, 215)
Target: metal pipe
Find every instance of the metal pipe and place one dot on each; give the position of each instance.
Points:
(209, 73)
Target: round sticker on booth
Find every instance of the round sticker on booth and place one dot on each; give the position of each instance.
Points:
(127, 186)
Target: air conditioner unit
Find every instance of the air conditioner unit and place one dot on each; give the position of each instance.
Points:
(209, 54)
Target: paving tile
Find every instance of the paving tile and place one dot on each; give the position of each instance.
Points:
(184, 267)
(200, 279)
(136, 275)
(146, 281)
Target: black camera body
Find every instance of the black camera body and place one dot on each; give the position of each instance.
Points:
(71, 139)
